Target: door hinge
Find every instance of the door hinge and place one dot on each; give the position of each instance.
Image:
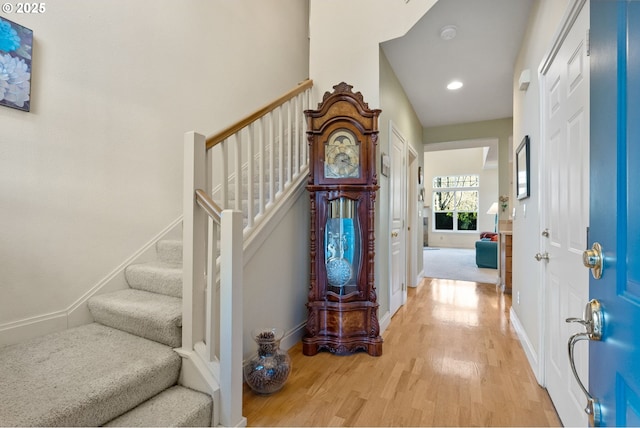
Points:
(588, 41)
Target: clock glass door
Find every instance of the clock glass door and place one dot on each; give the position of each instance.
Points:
(342, 246)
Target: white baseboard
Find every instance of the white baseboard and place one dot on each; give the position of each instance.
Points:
(78, 312)
(28, 328)
(418, 279)
(384, 321)
(529, 350)
(293, 336)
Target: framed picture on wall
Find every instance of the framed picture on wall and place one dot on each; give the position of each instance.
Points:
(16, 43)
(523, 180)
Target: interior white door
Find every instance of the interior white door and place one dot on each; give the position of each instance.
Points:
(565, 191)
(398, 190)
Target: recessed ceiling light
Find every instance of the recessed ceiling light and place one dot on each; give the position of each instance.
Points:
(456, 84)
(448, 32)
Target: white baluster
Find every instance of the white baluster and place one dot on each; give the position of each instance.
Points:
(261, 198)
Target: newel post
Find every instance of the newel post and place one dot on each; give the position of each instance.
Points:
(231, 267)
(194, 243)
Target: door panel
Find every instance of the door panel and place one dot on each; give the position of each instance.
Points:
(614, 372)
(566, 192)
(398, 188)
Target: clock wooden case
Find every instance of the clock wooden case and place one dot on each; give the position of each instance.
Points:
(342, 304)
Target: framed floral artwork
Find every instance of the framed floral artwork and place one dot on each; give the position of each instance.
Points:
(16, 43)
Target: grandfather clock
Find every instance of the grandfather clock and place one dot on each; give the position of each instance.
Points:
(342, 304)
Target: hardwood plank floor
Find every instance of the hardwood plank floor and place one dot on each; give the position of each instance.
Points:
(450, 358)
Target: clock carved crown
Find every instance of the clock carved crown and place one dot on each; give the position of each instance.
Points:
(342, 304)
(342, 135)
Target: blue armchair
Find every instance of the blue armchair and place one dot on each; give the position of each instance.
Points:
(487, 254)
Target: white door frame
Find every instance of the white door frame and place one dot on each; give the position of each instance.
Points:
(412, 220)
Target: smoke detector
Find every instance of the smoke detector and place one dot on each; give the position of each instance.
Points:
(448, 32)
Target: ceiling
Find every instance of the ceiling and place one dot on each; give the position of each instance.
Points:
(482, 56)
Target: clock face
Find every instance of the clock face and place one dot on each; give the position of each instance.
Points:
(342, 155)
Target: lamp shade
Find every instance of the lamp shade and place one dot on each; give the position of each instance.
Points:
(493, 209)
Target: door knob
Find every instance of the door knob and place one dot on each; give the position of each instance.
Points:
(593, 320)
(545, 233)
(543, 256)
(594, 260)
(394, 234)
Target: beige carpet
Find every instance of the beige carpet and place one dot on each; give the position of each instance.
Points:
(83, 376)
(456, 263)
(120, 370)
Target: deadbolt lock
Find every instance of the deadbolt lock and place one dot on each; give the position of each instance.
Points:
(594, 260)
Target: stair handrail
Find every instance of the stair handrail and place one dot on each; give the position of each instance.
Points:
(216, 232)
(267, 149)
(227, 132)
(207, 204)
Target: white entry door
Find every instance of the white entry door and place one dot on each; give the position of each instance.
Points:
(398, 190)
(565, 192)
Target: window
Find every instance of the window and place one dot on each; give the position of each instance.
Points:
(455, 202)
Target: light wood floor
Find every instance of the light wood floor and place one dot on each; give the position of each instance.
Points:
(450, 358)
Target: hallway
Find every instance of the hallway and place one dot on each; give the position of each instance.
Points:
(450, 358)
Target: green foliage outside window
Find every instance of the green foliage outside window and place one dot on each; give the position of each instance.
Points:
(455, 202)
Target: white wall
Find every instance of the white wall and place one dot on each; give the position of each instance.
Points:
(345, 36)
(396, 108)
(461, 162)
(94, 171)
(276, 279)
(545, 17)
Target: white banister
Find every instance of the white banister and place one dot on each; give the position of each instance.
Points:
(237, 151)
(297, 128)
(289, 144)
(194, 223)
(224, 173)
(272, 164)
(233, 184)
(250, 175)
(261, 162)
(212, 327)
(231, 318)
(280, 151)
(211, 324)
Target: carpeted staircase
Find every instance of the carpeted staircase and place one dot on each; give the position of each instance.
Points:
(119, 371)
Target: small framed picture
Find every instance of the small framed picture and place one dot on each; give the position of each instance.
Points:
(523, 185)
(16, 43)
(385, 167)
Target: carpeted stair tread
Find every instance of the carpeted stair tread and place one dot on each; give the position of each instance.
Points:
(84, 376)
(170, 251)
(175, 407)
(156, 277)
(149, 315)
